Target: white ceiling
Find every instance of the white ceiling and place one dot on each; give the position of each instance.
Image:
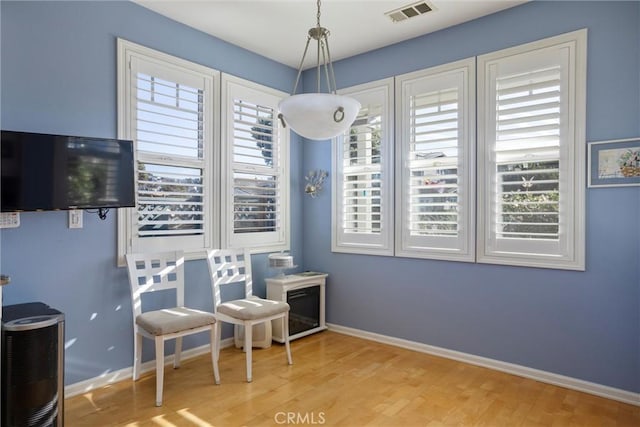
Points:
(278, 29)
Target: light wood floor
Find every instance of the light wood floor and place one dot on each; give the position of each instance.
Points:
(338, 380)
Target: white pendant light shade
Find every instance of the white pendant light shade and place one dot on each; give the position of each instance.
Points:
(319, 116)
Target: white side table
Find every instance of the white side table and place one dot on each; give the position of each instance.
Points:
(305, 293)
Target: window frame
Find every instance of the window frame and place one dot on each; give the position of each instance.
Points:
(371, 244)
(569, 253)
(128, 242)
(438, 247)
(255, 93)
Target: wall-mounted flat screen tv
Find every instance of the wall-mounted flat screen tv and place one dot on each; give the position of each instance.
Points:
(51, 172)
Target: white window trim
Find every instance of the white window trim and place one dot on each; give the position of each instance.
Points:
(257, 243)
(573, 258)
(462, 249)
(381, 244)
(126, 226)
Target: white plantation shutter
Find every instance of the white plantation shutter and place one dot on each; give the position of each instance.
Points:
(433, 163)
(170, 200)
(166, 108)
(362, 195)
(255, 161)
(436, 162)
(169, 141)
(527, 154)
(532, 176)
(256, 182)
(362, 202)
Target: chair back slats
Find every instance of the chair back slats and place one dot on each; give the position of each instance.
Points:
(149, 272)
(227, 266)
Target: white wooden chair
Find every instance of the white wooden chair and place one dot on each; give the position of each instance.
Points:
(227, 266)
(154, 272)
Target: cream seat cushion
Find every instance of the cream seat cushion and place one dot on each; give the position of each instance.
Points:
(252, 308)
(169, 320)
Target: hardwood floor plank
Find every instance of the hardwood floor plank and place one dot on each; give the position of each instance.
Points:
(339, 380)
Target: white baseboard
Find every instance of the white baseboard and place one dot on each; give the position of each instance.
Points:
(522, 371)
(123, 374)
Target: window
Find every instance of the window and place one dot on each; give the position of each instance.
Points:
(166, 107)
(531, 152)
(194, 192)
(435, 152)
(529, 188)
(255, 158)
(363, 175)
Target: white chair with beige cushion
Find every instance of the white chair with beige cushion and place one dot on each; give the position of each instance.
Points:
(228, 266)
(155, 272)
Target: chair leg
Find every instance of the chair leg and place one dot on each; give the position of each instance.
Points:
(177, 354)
(219, 341)
(248, 344)
(285, 331)
(237, 332)
(159, 369)
(214, 353)
(137, 355)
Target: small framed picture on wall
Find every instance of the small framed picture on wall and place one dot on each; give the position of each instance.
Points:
(614, 163)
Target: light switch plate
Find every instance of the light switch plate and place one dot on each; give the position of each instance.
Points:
(9, 219)
(75, 218)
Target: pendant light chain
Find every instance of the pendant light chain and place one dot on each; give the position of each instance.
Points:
(319, 35)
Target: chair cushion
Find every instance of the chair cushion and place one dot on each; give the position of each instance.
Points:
(169, 320)
(252, 308)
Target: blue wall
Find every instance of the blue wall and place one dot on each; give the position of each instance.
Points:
(58, 70)
(58, 75)
(580, 324)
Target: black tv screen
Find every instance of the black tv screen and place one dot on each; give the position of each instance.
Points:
(51, 172)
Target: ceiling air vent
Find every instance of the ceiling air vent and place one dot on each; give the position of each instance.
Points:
(409, 11)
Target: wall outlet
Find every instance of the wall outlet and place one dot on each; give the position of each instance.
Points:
(75, 218)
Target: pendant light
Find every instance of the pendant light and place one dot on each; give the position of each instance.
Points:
(318, 115)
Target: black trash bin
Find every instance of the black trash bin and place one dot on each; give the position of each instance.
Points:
(32, 365)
